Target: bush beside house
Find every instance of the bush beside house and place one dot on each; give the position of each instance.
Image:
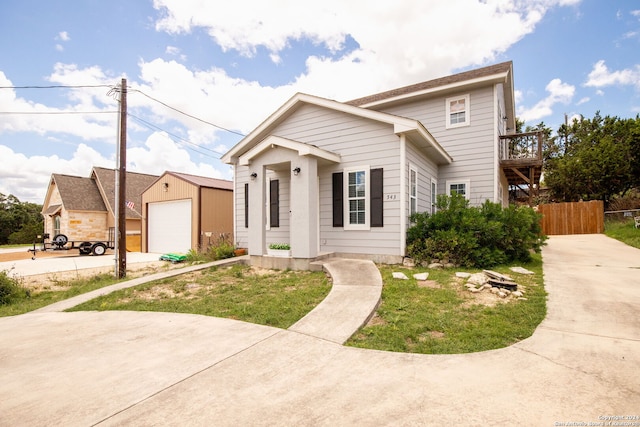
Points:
(481, 236)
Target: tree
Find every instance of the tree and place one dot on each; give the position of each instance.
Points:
(19, 222)
(594, 159)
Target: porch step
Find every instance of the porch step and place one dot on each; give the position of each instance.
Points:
(353, 300)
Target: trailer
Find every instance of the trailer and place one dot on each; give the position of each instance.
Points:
(60, 242)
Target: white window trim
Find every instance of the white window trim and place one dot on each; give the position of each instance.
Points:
(367, 198)
(467, 111)
(434, 195)
(467, 187)
(413, 168)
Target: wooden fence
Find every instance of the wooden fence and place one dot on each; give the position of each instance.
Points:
(572, 218)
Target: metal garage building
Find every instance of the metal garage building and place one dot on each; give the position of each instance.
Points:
(183, 212)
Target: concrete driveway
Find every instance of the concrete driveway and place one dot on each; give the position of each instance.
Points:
(582, 365)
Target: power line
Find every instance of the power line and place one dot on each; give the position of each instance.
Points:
(111, 87)
(152, 126)
(57, 112)
(187, 114)
(56, 87)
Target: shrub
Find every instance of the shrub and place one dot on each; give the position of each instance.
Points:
(481, 236)
(280, 246)
(10, 289)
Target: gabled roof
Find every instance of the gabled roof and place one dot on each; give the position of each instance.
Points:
(502, 72)
(201, 181)
(136, 183)
(77, 193)
(301, 148)
(400, 125)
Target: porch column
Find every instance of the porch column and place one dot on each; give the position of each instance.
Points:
(304, 208)
(257, 211)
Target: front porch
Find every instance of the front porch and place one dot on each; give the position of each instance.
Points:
(521, 162)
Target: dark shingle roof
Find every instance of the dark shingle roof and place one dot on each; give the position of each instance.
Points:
(136, 184)
(431, 84)
(203, 181)
(79, 194)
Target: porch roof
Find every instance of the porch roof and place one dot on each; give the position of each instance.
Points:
(302, 149)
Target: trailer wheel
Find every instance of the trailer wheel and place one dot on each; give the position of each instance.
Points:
(85, 248)
(99, 249)
(59, 240)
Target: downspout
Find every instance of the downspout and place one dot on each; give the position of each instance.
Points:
(403, 194)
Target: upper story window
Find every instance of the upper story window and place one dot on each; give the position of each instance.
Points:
(457, 111)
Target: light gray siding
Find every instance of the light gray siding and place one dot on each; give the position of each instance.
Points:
(427, 170)
(360, 142)
(473, 147)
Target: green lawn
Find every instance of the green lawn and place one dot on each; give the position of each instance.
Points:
(265, 297)
(624, 231)
(446, 318)
(41, 299)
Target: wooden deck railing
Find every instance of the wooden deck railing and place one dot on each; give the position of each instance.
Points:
(521, 147)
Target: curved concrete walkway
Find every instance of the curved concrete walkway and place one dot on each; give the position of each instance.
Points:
(581, 365)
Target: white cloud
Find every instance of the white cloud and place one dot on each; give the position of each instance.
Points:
(160, 153)
(559, 92)
(64, 36)
(601, 76)
(429, 38)
(42, 119)
(28, 177)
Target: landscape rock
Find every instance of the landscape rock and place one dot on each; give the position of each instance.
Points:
(421, 276)
(502, 294)
(408, 262)
(401, 276)
(521, 270)
(449, 265)
(435, 266)
(516, 294)
(478, 279)
(463, 275)
(475, 290)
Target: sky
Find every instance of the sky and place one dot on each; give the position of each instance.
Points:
(200, 74)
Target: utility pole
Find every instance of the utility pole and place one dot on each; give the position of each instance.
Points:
(121, 269)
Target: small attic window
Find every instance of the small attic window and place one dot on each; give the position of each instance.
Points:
(457, 111)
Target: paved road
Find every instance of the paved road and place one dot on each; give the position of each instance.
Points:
(124, 368)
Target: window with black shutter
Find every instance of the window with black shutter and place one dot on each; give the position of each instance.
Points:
(274, 203)
(377, 208)
(338, 201)
(246, 206)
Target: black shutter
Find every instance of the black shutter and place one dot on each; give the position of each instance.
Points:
(338, 201)
(376, 191)
(246, 206)
(274, 203)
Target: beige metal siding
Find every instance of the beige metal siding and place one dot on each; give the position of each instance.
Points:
(216, 212)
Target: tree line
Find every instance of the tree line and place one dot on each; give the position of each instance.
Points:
(20, 222)
(592, 159)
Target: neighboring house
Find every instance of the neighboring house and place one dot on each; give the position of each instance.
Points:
(183, 212)
(329, 177)
(83, 209)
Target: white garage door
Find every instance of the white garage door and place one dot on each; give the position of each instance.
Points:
(169, 226)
